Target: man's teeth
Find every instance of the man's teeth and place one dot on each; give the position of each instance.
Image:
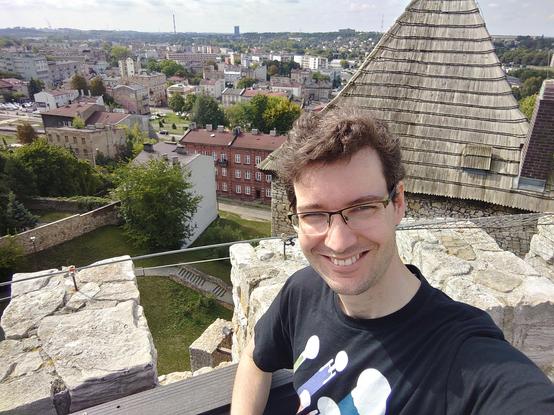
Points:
(345, 262)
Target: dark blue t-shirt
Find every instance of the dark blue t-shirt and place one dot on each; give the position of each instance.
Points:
(421, 359)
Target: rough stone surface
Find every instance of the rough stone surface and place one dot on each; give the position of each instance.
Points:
(174, 377)
(466, 263)
(67, 350)
(25, 287)
(210, 348)
(541, 253)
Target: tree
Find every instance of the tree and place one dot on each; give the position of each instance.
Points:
(97, 87)
(176, 102)
(157, 203)
(170, 68)
(245, 82)
(35, 86)
(78, 123)
(189, 102)
(118, 53)
(206, 110)
(17, 217)
(531, 86)
(527, 105)
(344, 63)
(174, 126)
(79, 83)
(18, 178)
(280, 114)
(57, 171)
(26, 134)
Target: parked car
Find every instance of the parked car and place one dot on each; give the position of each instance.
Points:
(164, 132)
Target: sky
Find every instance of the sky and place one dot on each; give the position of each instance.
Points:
(503, 17)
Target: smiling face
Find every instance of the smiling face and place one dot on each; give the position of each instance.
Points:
(350, 261)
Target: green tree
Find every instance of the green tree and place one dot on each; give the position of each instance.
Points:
(79, 83)
(58, 172)
(245, 82)
(152, 65)
(170, 68)
(527, 105)
(280, 114)
(11, 256)
(531, 86)
(118, 53)
(206, 110)
(35, 86)
(97, 87)
(18, 218)
(78, 123)
(189, 102)
(26, 134)
(318, 76)
(236, 115)
(18, 178)
(176, 102)
(174, 126)
(157, 203)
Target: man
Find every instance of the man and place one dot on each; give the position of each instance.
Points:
(364, 333)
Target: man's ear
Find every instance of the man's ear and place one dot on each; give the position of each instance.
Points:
(399, 202)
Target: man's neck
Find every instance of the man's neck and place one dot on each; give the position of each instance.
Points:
(389, 294)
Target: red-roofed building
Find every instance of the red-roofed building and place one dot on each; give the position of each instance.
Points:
(236, 155)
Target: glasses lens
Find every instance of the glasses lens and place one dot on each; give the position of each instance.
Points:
(311, 223)
(359, 217)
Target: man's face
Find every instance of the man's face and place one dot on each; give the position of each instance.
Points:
(350, 261)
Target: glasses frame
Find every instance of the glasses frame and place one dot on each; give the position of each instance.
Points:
(339, 212)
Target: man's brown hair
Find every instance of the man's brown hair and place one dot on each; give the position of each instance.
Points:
(336, 135)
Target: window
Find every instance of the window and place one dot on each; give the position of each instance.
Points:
(224, 186)
(214, 155)
(223, 171)
(222, 157)
(216, 185)
(77, 151)
(237, 174)
(74, 140)
(66, 139)
(83, 140)
(258, 159)
(58, 138)
(268, 192)
(237, 158)
(247, 190)
(85, 152)
(258, 176)
(238, 189)
(215, 171)
(247, 174)
(204, 152)
(247, 159)
(268, 178)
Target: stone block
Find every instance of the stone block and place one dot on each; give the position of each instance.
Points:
(210, 349)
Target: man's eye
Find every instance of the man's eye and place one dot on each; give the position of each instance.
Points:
(363, 208)
(312, 217)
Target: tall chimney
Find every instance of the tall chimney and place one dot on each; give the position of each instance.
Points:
(538, 150)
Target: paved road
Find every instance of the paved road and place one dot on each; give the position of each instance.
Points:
(246, 212)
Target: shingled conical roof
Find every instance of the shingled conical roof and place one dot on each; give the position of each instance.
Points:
(435, 79)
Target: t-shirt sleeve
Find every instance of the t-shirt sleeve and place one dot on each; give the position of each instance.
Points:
(272, 341)
(491, 377)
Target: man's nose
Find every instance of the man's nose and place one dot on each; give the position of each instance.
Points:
(339, 236)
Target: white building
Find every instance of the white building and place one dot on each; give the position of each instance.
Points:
(315, 63)
(180, 89)
(56, 99)
(27, 65)
(202, 177)
(129, 67)
(212, 87)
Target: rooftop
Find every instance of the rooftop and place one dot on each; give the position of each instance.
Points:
(70, 110)
(244, 140)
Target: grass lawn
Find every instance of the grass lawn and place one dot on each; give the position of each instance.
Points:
(176, 317)
(170, 118)
(9, 139)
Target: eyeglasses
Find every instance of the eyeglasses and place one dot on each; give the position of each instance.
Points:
(356, 217)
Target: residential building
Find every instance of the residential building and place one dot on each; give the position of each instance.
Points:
(210, 73)
(155, 85)
(55, 99)
(61, 70)
(314, 63)
(202, 178)
(134, 98)
(181, 89)
(237, 30)
(293, 89)
(28, 65)
(192, 60)
(129, 67)
(14, 86)
(103, 132)
(231, 96)
(212, 87)
(235, 156)
(250, 93)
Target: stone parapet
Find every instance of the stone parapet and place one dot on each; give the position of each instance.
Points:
(67, 350)
(541, 253)
(467, 264)
(212, 347)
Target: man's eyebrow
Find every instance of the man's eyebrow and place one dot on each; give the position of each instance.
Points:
(317, 206)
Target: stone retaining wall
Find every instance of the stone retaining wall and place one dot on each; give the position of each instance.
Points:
(55, 233)
(68, 350)
(53, 203)
(515, 239)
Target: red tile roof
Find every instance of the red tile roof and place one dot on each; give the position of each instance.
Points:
(245, 140)
(70, 110)
(253, 92)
